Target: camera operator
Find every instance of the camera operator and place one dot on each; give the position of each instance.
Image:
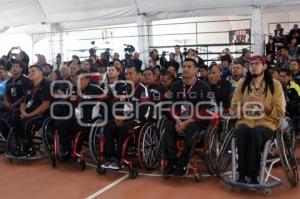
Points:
(137, 62)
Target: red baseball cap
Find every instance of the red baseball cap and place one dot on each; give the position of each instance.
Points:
(258, 58)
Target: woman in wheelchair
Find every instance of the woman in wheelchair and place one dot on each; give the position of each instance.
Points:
(32, 111)
(86, 114)
(125, 117)
(259, 105)
(194, 91)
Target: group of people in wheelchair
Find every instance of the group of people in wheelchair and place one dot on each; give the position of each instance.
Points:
(124, 112)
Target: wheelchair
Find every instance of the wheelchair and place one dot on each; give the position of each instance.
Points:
(201, 149)
(143, 143)
(13, 144)
(52, 145)
(217, 153)
(281, 143)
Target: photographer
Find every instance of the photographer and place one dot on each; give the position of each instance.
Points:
(17, 54)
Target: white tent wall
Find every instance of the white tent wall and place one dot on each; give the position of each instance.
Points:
(71, 15)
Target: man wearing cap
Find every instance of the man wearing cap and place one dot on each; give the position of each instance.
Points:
(33, 110)
(259, 104)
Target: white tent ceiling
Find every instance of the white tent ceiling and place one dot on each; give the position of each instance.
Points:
(74, 14)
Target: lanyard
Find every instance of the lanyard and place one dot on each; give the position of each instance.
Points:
(189, 90)
(135, 88)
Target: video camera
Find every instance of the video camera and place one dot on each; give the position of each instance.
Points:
(128, 51)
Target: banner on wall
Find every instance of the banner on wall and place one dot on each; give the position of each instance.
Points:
(240, 36)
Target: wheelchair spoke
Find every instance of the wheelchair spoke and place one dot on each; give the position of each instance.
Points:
(149, 147)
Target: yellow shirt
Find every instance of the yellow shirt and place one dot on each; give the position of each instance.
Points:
(277, 102)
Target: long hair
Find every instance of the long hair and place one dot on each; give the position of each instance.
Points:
(268, 79)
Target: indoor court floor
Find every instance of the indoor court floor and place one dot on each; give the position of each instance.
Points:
(38, 180)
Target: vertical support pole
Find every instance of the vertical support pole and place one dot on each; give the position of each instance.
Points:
(143, 37)
(257, 31)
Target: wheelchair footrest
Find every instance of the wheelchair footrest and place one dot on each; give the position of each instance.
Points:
(231, 182)
(24, 157)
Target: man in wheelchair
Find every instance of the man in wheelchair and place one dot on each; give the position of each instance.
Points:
(85, 114)
(292, 96)
(33, 110)
(128, 113)
(16, 89)
(259, 105)
(189, 90)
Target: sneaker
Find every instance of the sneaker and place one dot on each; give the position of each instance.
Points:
(114, 166)
(105, 165)
(169, 169)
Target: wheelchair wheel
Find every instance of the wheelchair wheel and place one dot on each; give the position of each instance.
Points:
(224, 158)
(96, 134)
(12, 143)
(82, 165)
(100, 170)
(211, 150)
(133, 173)
(288, 126)
(53, 160)
(161, 142)
(148, 146)
(198, 177)
(4, 130)
(47, 133)
(161, 125)
(287, 156)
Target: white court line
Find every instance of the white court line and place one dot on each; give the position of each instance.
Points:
(155, 174)
(106, 188)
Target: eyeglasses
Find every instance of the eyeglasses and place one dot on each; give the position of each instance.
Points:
(256, 63)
